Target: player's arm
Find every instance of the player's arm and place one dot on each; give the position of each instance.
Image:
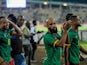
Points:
(63, 38)
(61, 41)
(19, 32)
(66, 56)
(67, 46)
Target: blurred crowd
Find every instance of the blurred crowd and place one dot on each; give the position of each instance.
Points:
(18, 40)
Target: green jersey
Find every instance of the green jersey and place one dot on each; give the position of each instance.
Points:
(74, 51)
(5, 48)
(52, 52)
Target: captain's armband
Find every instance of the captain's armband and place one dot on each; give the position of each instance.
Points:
(68, 45)
(56, 42)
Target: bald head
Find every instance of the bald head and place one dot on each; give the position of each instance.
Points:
(51, 25)
(49, 19)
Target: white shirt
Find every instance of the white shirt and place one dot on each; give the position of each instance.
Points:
(33, 30)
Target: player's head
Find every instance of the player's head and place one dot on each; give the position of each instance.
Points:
(68, 16)
(51, 25)
(75, 21)
(4, 24)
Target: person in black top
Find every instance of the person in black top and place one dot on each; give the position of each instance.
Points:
(16, 44)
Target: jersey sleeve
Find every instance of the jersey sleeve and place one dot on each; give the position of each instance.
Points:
(50, 40)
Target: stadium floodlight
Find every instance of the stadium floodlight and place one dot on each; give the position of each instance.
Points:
(45, 3)
(16, 3)
(65, 4)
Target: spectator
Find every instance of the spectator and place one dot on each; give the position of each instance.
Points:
(26, 41)
(16, 44)
(33, 40)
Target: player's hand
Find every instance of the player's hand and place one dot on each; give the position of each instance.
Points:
(69, 23)
(66, 26)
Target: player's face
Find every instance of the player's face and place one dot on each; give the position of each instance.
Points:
(77, 22)
(52, 26)
(4, 24)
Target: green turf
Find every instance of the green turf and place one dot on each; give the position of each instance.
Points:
(83, 44)
(42, 28)
(83, 28)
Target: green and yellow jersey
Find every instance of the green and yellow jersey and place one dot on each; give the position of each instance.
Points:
(5, 48)
(52, 51)
(74, 50)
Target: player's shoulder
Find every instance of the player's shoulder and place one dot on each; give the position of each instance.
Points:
(70, 30)
(47, 34)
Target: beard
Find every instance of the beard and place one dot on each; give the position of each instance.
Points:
(78, 25)
(54, 30)
(5, 28)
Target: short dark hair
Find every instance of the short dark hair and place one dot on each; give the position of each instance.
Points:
(68, 16)
(34, 22)
(10, 15)
(73, 17)
(2, 17)
(12, 18)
